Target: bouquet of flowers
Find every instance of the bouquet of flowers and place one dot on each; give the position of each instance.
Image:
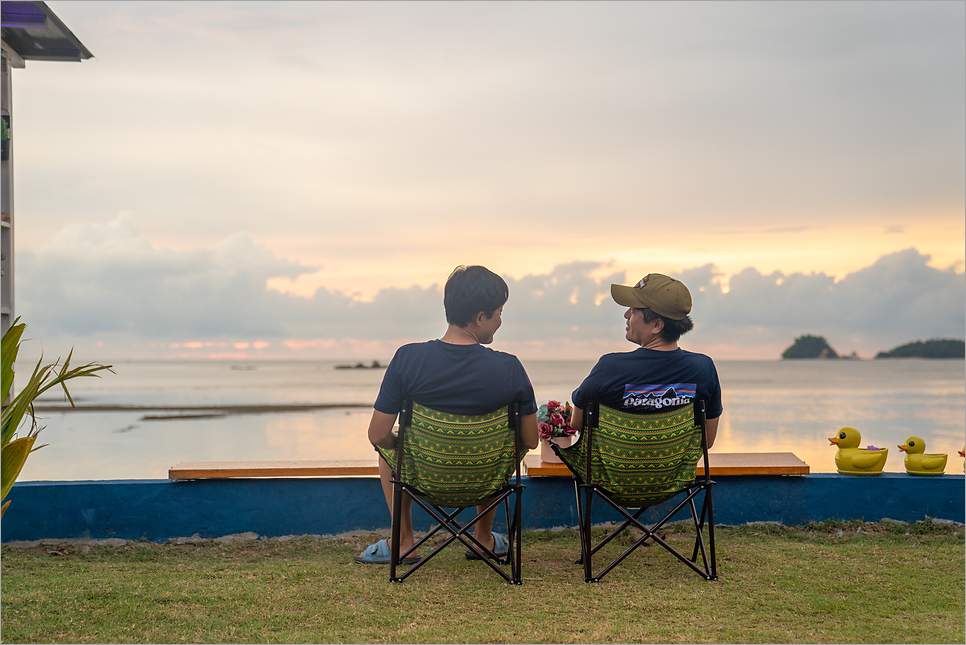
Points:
(554, 420)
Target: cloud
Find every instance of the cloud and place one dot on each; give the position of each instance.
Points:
(107, 278)
(898, 299)
(410, 116)
(107, 283)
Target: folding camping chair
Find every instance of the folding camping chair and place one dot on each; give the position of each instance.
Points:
(457, 461)
(638, 460)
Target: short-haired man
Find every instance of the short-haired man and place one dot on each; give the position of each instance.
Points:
(659, 374)
(453, 374)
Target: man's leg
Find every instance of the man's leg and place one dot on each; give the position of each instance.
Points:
(483, 530)
(406, 519)
(406, 514)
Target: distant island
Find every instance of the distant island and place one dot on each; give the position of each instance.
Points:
(808, 346)
(359, 366)
(929, 349)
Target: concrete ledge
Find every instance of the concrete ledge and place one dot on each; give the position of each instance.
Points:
(159, 510)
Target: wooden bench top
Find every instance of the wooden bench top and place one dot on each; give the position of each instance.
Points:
(722, 464)
(226, 469)
(741, 463)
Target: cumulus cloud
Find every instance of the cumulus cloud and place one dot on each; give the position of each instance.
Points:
(561, 304)
(898, 299)
(106, 282)
(105, 278)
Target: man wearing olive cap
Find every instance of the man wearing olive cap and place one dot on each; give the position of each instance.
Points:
(658, 374)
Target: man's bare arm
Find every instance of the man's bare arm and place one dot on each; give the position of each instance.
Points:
(380, 429)
(530, 431)
(577, 419)
(712, 430)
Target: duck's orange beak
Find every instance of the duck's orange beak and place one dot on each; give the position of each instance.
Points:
(902, 448)
(834, 440)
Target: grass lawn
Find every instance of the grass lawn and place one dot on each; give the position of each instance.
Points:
(842, 583)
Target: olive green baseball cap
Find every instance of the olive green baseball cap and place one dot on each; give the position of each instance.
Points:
(663, 295)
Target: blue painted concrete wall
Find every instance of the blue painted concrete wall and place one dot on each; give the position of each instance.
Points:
(158, 510)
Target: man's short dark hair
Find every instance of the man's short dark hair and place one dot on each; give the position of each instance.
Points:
(470, 290)
(673, 329)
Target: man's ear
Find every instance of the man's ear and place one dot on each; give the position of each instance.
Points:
(479, 318)
(658, 326)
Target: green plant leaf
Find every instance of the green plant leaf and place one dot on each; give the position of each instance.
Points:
(66, 374)
(15, 451)
(9, 348)
(22, 403)
(43, 378)
(12, 458)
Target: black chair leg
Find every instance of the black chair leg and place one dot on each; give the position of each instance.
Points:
(580, 521)
(515, 536)
(710, 506)
(447, 521)
(588, 568)
(397, 494)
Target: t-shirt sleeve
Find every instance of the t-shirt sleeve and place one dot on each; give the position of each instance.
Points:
(588, 389)
(527, 399)
(390, 398)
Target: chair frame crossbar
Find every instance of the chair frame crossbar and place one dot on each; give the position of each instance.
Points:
(447, 520)
(708, 570)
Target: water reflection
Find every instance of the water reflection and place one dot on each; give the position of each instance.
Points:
(770, 406)
(801, 422)
(330, 435)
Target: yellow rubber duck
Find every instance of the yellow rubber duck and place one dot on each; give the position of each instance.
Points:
(852, 460)
(918, 463)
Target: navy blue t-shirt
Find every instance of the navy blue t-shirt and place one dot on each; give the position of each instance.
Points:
(461, 379)
(651, 379)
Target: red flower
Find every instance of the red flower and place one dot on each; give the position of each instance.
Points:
(556, 419)
(546, 431)
(552, 406)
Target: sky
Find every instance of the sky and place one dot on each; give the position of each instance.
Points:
(247, 180)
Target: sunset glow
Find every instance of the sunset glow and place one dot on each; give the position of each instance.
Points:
(791, 162)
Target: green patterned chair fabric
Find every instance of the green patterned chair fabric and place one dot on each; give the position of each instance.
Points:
(456, 460)
(639, 459)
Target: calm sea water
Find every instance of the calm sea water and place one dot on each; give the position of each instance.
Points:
(770, 406)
